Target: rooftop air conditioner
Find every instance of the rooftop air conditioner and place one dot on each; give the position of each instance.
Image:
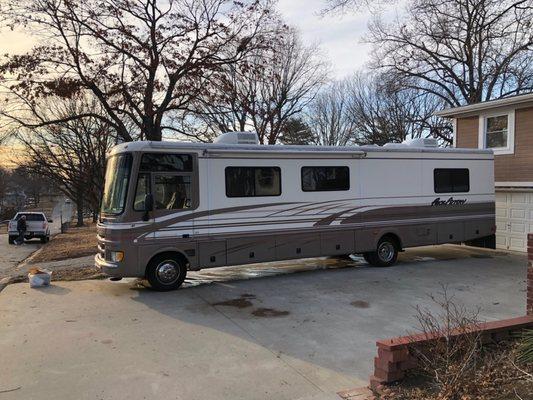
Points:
(422, 142)
(237, 138)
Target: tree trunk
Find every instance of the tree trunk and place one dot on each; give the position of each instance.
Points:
(79, 207)
(95, 217)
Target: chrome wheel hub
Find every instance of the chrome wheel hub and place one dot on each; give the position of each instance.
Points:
(386, 251)
(167, 272)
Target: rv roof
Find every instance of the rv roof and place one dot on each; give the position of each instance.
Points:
(151, 146)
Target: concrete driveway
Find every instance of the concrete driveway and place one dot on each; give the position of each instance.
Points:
(11, 255)
(306, 333)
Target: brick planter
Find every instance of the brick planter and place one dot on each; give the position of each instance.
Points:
(394, 360)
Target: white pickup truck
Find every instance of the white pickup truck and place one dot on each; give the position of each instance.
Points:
(37, 226)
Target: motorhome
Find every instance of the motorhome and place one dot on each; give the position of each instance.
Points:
(169, 207)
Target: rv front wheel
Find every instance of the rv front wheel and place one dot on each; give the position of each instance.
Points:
(166, 272)
(386, 253)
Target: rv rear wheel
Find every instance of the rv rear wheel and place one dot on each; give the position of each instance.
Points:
(166, 272)
(386, 253)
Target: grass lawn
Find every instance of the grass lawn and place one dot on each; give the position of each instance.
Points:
(76, 242)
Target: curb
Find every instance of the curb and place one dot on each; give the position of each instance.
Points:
(4, 282)
(28, 259)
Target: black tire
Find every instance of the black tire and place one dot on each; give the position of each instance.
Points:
(386, 252)
(11, 239)
(45, 239)
(166, 272)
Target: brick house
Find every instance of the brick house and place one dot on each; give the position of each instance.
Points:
(506, 126)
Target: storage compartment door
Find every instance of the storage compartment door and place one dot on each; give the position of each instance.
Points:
(212, 253)
(298, 246)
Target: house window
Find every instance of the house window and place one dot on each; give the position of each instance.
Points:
(451, 180)
(323, 179)
(496, 132)
(253, 181)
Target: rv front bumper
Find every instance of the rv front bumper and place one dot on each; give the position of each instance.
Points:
(104, 265)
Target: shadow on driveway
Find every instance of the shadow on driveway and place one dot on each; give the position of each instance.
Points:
(329, 313)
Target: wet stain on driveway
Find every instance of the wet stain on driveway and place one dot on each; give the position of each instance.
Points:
(239, 302)
(360, 304)
(269, 313)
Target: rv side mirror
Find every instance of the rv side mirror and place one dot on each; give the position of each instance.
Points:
(50, 221)
(148, 202)
(148, 206)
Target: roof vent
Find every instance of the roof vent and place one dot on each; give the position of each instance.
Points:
(422, 142)
(237, 138)
(395, 145)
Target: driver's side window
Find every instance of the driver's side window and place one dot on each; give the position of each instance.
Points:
(143, 188)
(172, 192)
(169, 178)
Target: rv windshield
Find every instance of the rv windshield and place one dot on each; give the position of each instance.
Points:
(117, 177)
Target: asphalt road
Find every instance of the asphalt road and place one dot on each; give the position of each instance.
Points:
(11, 255)
(301, 335)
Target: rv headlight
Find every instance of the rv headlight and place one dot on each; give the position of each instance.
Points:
(116, 256)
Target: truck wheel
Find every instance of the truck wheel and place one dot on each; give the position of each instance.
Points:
(45, 239)
(166, 272)
(11, 239)
(386, 253)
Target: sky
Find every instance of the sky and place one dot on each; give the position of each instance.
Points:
(339, 36)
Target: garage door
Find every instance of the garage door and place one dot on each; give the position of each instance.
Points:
(514, 219)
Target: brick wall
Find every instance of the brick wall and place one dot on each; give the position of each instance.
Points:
(529, 279)
(394, 360)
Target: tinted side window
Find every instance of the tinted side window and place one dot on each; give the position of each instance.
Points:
(451, 180)
(172, 192)
(161, 162)
(320, 179)
(31, 217)
(143, 188)
(253, 181)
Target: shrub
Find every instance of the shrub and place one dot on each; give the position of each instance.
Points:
(525, 348)
(451, 362)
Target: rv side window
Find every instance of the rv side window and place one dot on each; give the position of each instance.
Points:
(322, 179)
(253, 181)
(451, 180)
(172, 192)
(143, 188)
(169, 178)
(162, 162)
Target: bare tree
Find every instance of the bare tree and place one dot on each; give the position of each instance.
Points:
(298, 132)
(265, 90)
(4, 176)
(344, 6)
(71, 153)
(141, 59)
(330, 115)
(373, 108)
(29, 183)
(461, 51)
(386, 109)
